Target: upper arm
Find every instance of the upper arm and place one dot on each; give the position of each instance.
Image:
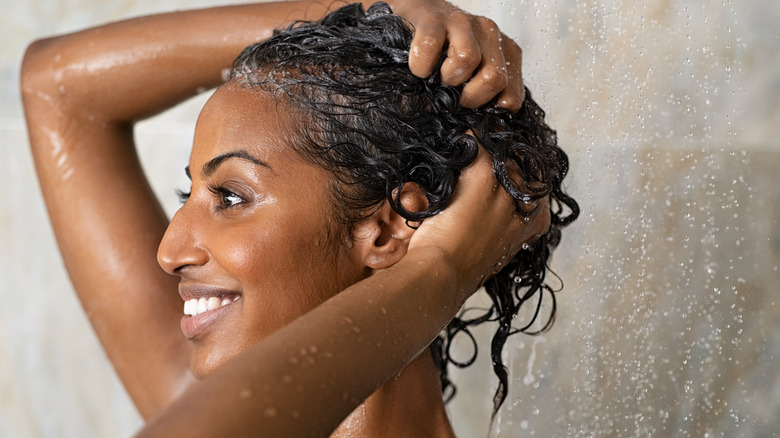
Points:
(108, 224)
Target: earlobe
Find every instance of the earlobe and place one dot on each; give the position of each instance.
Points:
(384, 236)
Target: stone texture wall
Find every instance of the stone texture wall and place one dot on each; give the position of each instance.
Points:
(669, 321)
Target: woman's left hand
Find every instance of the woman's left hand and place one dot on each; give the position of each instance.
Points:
(478, 54)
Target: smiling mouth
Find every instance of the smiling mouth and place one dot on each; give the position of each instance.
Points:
(196, 306)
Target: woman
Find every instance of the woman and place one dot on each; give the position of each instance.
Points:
(297, 299)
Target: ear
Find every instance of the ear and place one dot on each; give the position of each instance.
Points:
(382, 239)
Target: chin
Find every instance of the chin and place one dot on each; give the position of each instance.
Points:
(204, 363)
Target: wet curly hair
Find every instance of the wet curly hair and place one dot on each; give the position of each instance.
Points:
(376, 126)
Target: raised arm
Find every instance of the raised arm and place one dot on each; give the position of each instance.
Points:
(83, 92)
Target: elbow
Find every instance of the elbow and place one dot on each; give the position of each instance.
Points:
(33, 74)
(42, 74)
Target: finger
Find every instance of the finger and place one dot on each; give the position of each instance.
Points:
(427, 44)
(463, 54)
(491, 77)
(513, 95)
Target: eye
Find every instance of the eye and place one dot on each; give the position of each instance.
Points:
(182, 195)
(225, 198)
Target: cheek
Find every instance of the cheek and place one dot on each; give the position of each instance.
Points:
(284, 271)
(245, 250)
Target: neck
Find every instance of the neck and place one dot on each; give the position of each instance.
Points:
(409, 405)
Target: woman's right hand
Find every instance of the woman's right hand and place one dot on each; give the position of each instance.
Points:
(480, 231)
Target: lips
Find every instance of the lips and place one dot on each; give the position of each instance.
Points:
(204, 306)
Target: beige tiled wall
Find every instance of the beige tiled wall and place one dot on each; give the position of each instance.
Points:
(669, 322)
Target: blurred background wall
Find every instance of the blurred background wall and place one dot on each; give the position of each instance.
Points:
(669, 321)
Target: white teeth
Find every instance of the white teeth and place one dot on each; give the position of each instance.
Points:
(196, 306)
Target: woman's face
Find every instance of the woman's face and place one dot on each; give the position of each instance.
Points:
(255, 242)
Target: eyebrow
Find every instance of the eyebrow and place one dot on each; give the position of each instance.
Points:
(212, 165)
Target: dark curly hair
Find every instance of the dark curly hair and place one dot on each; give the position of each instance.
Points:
(376, 126)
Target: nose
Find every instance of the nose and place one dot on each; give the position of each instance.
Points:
(181, 245)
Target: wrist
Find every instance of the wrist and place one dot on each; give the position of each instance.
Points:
(439, 266)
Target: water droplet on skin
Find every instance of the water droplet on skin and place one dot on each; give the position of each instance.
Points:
(270, 412)
(287, 378)
(245, 394)
(525, 246)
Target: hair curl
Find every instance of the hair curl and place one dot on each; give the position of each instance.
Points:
(376, 126)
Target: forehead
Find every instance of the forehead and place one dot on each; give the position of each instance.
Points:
(236, 118)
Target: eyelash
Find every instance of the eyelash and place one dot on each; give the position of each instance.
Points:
(182, 195)
(220, 192)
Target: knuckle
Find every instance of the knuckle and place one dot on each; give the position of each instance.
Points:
(511, 103)
(460, 19)
(494, 78)
(487, 25)
(426, 45)
(467, 59)
(510, 46)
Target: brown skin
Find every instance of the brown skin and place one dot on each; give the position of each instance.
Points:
(255, 238)
(245, 239)
(82, 93)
